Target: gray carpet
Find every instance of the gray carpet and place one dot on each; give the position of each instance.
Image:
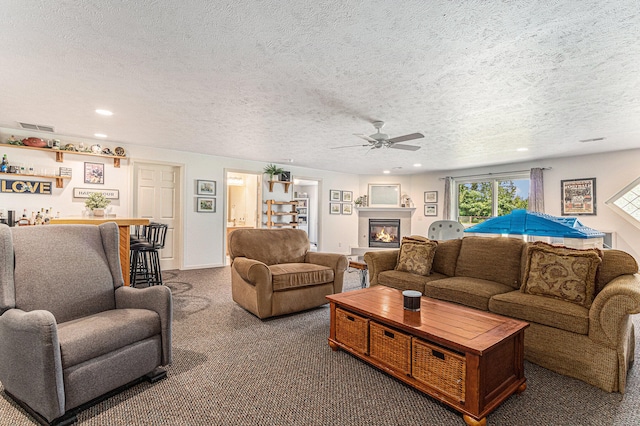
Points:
(231, 368)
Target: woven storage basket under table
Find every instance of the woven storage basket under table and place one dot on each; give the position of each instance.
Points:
(390, 347)
(439, 368)
(352, 330)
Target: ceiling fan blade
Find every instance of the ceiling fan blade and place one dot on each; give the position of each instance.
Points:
(405, 147)
(365, 137)
(347, 146)
(404, 138)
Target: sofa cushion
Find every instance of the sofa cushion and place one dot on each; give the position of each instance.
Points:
(406, 281)
(293, 275)
(472, 292)
(416, 256)
(89, 337)
(561, 272)
(446, 257)
(614, 264)
(491, 258)
(542, 310)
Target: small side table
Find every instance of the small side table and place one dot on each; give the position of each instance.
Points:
(359, 264)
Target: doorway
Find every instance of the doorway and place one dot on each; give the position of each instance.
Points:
(156, 197)
(307, 192)
(244, 201)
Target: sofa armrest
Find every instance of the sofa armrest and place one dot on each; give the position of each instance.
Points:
(31, 366)
(335, 261)
(615, 302)
(157, 299)
(380, 261)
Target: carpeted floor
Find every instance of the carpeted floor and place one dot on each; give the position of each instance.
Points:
(231, 368)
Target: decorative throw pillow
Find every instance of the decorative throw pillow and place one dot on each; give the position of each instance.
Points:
(416, 255)
(561, 272)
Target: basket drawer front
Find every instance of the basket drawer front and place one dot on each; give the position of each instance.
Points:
(390, 346)
(352, 330)
(439, 368)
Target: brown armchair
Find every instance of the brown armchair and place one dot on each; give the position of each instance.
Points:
(70, 332)
(274, 273)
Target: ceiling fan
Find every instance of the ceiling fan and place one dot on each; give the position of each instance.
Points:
(382, 140)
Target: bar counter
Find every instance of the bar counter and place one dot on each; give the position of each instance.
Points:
(123, 226)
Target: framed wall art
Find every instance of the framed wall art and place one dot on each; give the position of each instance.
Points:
(205, 187)
(94, 173)
(578, 197)
(347, 196)
(347, 208)
(431, 210)
(334, 195)
(384, 195)
(205, 205)
(431, 196)
(334, 208)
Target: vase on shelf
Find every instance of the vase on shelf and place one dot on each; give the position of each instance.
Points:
(98, 212)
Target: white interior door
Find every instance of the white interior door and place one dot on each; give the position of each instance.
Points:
(157, 198)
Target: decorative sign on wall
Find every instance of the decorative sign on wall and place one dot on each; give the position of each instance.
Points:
(25, 186)
(112, 194)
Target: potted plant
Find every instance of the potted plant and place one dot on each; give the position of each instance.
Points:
(97, 203)
(272, 170)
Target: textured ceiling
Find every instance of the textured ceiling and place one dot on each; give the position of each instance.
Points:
(273, 80)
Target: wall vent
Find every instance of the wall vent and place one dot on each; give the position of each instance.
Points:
(592, 140)
(38, 127)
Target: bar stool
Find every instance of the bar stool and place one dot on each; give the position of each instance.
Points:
(145, 260)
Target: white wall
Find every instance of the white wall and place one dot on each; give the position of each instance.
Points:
(203, 233)
(613, 171)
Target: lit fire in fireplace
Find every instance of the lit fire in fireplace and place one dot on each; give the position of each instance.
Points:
(384, 236)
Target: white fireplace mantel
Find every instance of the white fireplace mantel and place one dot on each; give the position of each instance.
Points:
(386, 209)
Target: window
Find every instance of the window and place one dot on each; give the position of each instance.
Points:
(478, 199)
(627, 202)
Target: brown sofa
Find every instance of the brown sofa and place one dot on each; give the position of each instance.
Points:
(274, 273)
(592, 343)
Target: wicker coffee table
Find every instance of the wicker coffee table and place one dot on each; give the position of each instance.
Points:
(470, 360)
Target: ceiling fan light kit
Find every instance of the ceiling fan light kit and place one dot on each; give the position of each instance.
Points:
(382, 140)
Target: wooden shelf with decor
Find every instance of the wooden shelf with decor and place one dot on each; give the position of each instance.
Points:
(59, 179)
(60, 153)
(274, 212)
(285, 183)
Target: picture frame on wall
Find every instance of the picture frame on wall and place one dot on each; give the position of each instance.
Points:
(431, 210)
(334, 208)
(335, 195)
(347, 208)
(578, 197)
(94, 173)
(205, 205)
(431, 196)
(206, 187)
(347, 196)
(384, 195)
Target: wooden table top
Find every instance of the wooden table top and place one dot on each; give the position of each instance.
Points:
(455, 326)
(93, 220)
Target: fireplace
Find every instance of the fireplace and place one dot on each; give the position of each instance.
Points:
(384, 233)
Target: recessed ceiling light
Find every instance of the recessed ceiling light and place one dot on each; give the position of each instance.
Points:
(386, 172)
(417, 165)
(99, 135)
(104, 112)
(522, 149)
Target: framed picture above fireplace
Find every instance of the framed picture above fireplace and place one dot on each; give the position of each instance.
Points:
(384, 195)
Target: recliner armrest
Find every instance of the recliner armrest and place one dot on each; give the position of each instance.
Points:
(252, 271)
(31, 365)
(157, 299)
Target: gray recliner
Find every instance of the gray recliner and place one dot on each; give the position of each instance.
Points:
(70, 331)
